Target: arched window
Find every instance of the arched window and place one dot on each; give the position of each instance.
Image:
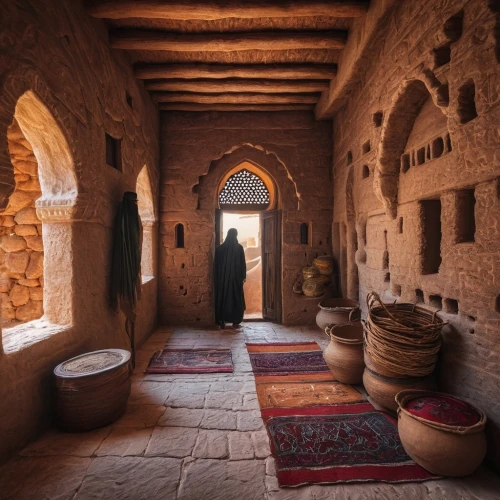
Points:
(39, 262)
(179, 236)
(145, 204)
(244, 190)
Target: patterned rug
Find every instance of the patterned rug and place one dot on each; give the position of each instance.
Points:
(322, 431)
(191, 361)
(287, 358)
(338, 444)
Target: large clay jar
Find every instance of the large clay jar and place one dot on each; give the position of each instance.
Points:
(324, 263)
(337, 312)
(383, 390)
(313, 288)
(442, 433)
(344, 354)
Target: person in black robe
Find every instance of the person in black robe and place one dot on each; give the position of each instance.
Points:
(230, 272)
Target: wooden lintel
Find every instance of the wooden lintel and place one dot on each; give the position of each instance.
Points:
(238, 85)
(218, 71)
(240, 98)
(190, 106)
(226, 42)
(222, 9)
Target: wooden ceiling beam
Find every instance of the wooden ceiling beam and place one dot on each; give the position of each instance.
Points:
(218, 71)
(239, 85)
(190, 106)
(222, 9)
(226, 42)
(240, 98)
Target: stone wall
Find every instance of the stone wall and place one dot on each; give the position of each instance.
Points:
(66, 89)
(198, 149)
(417, 184)
(21, 255)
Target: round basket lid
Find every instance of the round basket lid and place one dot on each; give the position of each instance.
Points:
(444, 409)
(92, 363)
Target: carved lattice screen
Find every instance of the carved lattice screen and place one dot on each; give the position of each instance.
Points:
(244, 190)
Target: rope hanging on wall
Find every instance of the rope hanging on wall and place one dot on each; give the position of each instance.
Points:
(126, 266)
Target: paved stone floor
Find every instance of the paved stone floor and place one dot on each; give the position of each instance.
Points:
(194, 437)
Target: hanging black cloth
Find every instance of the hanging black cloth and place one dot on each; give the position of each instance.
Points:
(229, 274)
(126, 267)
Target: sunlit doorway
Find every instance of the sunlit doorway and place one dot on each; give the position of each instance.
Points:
(248, 227)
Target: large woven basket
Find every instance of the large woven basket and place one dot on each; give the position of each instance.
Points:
(402, 339)
(92, 389)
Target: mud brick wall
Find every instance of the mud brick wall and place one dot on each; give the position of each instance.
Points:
(60, 81)
(416, 184)
(197, 150)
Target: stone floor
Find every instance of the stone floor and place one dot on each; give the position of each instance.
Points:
(194, 437)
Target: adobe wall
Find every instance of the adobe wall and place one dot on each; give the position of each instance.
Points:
(416, 109)
(197, 150)
(58, 60)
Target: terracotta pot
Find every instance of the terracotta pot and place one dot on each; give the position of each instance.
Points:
(447, 450)
(337, 312)
(383, 390)
(324, 263)
(310, 272)
(313, 288)
(344, 354)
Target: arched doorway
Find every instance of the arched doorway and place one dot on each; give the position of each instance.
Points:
(247, 200)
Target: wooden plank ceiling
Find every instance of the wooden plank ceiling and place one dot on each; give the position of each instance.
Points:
(217, 55)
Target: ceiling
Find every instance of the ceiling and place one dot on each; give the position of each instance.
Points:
(232, 55)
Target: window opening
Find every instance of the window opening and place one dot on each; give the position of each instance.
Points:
(244, 189)
(465, 214)
(304, 233)
(467, 102)
(179, 236)
(113, 152)
(431, 241)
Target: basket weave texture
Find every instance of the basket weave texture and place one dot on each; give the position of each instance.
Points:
(92, 389)
(403, 338)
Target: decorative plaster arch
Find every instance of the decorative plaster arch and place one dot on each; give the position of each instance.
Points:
(408, 103)
(267, 164)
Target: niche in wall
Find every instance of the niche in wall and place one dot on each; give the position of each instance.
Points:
(431, 235)
(179, 236)
(114, 152)
(304, 233)
(436, 301)
(428, 139)
(467, 102)
(349, 157)
(378, 118)
(366, 148)
(366, 171)
(452, 28)
(465, 216)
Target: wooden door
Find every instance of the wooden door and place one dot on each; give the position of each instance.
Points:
(270, 223)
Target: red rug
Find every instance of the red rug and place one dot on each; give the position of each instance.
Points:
(191, 361)
(285, 358)
(338, 444)
(321, 431)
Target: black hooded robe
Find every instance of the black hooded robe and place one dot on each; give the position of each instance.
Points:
(230, 272)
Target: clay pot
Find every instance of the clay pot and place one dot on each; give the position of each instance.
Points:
(313, 288)
(310, 272)
(324, 263)
(344, 354)
(336, 312)
(383, 390)
(447, 450)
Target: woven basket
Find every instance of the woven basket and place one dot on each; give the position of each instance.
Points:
(402, 339)
(447, 450)
(92, 389)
